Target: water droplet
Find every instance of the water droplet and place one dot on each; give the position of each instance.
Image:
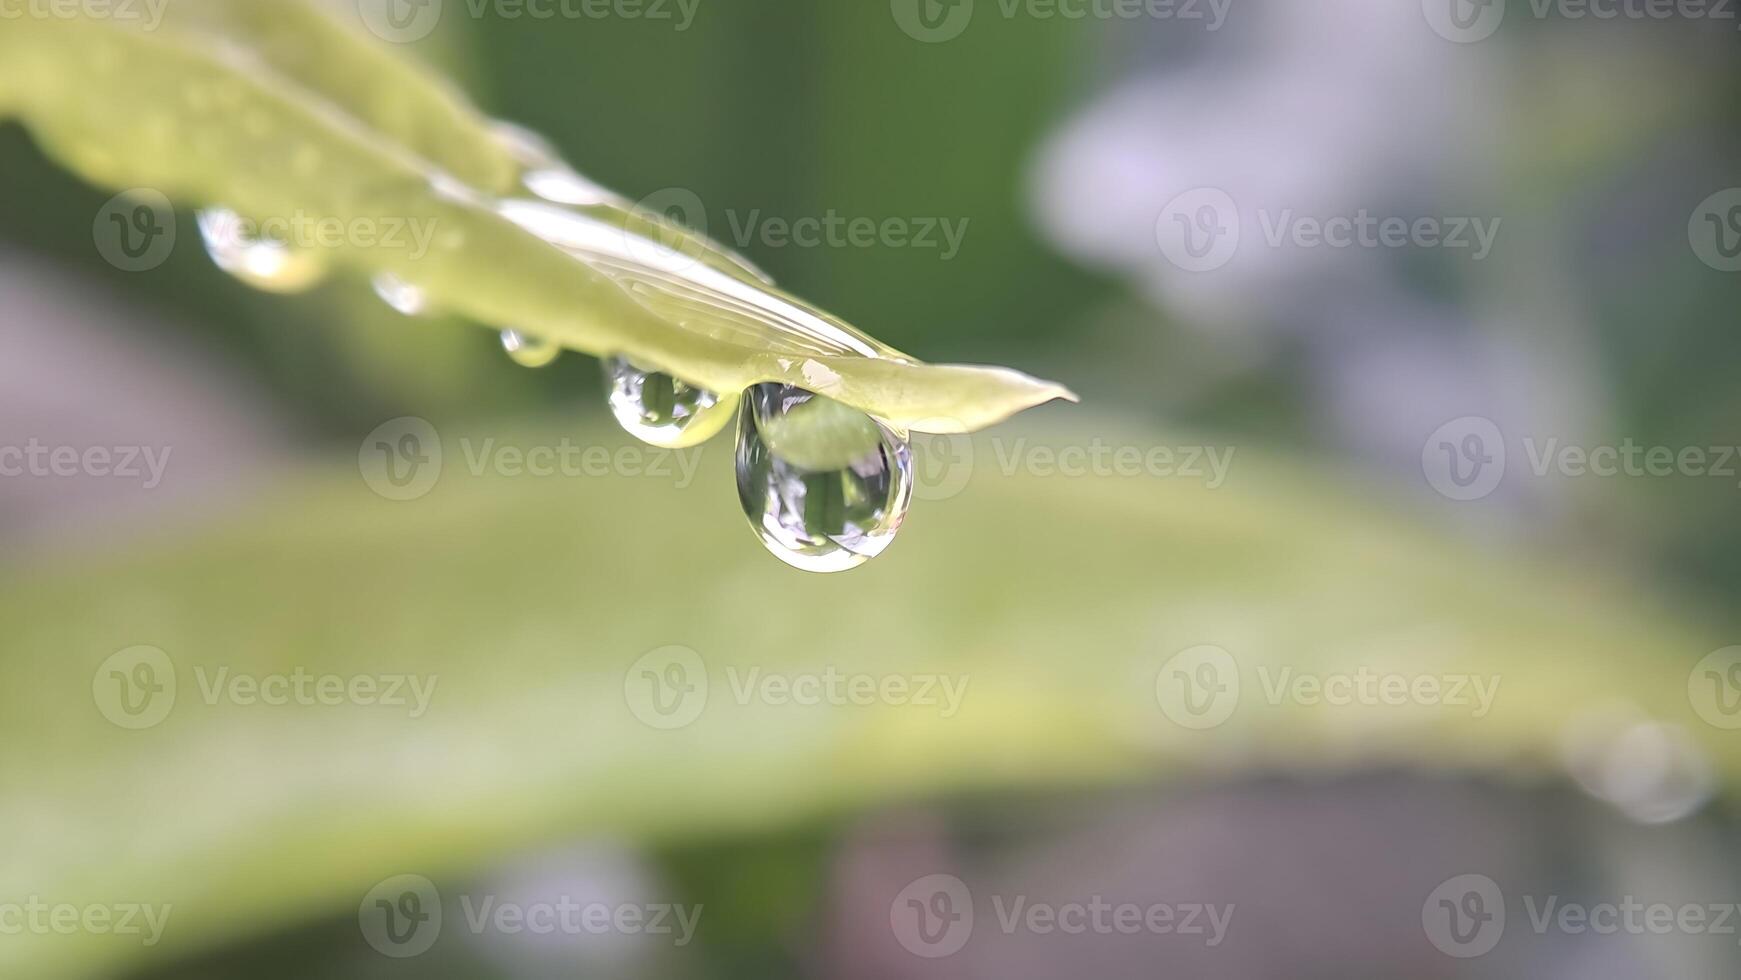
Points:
(532, 352)
(825, 486)
(660, 409)
(401, 295)
(260, 262)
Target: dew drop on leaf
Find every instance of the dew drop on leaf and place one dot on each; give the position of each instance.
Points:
(263, 263)
(662, 410)
(824, 486)
(529, 351)
(401, 295)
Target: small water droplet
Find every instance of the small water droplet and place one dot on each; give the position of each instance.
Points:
(401, 295)
(659, 409)
(260, 262)
(528, 351)
(826, 487)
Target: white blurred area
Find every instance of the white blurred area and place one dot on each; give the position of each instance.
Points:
(1336, 108)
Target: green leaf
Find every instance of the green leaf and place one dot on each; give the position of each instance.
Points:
(281, 111)
(1057, 601)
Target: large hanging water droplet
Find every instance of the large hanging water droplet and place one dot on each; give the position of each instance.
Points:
(260, 262)
(825, 486)
(660, 409)
(401, 295)
(528, 351)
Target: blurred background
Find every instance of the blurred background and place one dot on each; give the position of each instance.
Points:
(1406, 268)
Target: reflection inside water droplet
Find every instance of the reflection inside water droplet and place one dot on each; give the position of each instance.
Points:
(401, 295)
(260, 262)
(660, 409)
(528, 351)
(825, 487)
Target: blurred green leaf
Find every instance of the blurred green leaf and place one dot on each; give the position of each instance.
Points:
(1057, 602)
